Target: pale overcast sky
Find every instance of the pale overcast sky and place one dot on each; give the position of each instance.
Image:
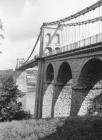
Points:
(22, 20)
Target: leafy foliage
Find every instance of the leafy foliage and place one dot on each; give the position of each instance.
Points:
(9, 104)
(96, 106)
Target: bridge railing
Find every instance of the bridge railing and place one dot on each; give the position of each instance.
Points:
(82, 43)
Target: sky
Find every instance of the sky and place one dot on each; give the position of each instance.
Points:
(22, 20)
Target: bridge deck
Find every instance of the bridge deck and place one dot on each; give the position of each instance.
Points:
(80, 44)
(68, 48)
(27, 65)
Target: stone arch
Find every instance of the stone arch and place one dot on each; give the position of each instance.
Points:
(63, 91)
(89, 82)
(48, 92)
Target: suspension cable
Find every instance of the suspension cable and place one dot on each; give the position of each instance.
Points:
(82, 12)
(99, 20)
(84, 22)
(33, 48)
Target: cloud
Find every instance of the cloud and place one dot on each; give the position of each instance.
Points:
(32, 13)
(20, 33)
(12, 7)
(22, 20)
(13, 50)
(23, 27)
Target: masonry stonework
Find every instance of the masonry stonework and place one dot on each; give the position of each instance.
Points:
(56, 93)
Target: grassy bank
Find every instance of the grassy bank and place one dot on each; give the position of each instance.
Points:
(28, 129)
(79, 128)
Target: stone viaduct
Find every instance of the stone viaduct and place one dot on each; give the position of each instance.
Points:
(71, 69)
(79, 70)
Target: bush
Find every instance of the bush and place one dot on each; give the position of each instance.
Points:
(21, 115)
(10, 108)
(96, 106)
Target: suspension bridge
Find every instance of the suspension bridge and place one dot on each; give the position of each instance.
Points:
(69, 62)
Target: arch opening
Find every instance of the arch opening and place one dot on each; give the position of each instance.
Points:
(48, 94)
(90, 80)
(49, 73)
(63, 91)
(64, 74)
(91, 73)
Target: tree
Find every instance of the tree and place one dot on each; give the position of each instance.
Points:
(9, 104)
(96, 106)
(1, 33)
(1, 28)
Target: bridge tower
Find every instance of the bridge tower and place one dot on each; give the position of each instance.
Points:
(20, 61)
(39, 88)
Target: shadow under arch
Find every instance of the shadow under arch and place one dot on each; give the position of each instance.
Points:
(90, 83)
(49, 73)
(48, 94)
(63, 91)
